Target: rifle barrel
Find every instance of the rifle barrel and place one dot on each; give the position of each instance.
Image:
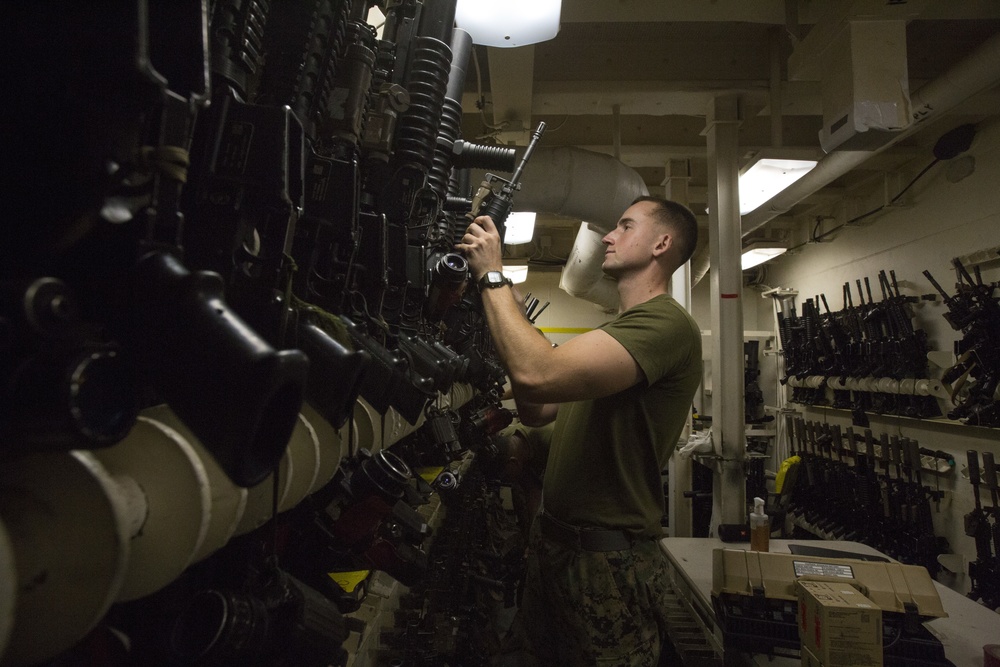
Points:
(535, 136)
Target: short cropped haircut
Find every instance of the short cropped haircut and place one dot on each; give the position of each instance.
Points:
(681, 221)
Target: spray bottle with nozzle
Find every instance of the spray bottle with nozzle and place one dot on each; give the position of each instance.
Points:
(760, 527)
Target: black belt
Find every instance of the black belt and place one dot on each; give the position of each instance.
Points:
(587, 539)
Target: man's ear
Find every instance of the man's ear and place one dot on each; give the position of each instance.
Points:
(664, 242)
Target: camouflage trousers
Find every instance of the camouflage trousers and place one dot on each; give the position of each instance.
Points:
(592, 608)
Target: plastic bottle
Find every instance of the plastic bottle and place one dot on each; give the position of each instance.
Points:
(760, 527)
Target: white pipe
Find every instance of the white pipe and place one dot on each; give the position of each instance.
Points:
(593, 187)
(135, 503)
(299, 456)
(972, 75)
(579, 277)
(228, 500)
(596, 188)
(67, 529)
(177, 499)
(375, 431)
(979, 71)
(729, 424)
(331, 446)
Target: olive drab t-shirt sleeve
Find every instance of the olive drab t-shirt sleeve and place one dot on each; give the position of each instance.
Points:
(660, 340)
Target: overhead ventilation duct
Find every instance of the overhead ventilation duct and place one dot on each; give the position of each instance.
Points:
(578, 183)
(583, 277)
(978, 72)
(595, 188)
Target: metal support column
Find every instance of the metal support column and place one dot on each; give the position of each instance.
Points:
(675, 188)
(728, 422)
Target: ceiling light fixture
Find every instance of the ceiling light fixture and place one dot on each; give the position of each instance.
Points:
(759, 252)
(516, 274)
(509, 24)
(766, 177)
(376, 19)
(520, 228)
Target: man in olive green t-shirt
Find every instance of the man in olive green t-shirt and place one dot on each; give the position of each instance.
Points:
(614, 481)
(620, 396)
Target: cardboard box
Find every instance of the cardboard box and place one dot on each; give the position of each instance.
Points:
(891, 586)
(838, 625)
(809, 660)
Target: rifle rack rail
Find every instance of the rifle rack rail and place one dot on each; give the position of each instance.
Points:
(882, 385)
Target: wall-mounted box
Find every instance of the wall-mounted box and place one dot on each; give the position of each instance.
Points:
(862, 69)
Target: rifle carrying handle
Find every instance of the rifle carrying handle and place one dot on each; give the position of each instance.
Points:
(800, 433)
(852, 444)
(973, 466)
(989, 470)
(912, 453)
(894, 445)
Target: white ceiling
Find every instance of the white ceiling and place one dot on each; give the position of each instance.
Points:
(634, 78)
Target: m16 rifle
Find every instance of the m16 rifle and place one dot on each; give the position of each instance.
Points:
(870, 501)
(837, 340)
(861, 352)
(921, 546)
(787, 326)
(845, 496)
(985, 570)
(499, 202)
(885, 491)
(466, 331)
(975, 377)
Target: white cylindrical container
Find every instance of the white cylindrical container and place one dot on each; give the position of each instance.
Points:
(228, 500)
(178, 498)
(67, 529)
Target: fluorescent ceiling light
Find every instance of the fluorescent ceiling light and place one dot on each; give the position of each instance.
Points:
(520, 228)
(760, 252)
(766, 178)
(510, 23)
(516, 274)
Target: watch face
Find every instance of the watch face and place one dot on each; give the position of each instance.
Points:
(493, 279)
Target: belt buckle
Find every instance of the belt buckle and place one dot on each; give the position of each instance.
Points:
(562, 530)
(582, 538)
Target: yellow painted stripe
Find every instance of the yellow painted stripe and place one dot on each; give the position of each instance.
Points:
(430, 474)
(348, 581)
(565, 330)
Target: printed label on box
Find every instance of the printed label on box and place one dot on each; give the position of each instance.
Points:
(803, 568)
